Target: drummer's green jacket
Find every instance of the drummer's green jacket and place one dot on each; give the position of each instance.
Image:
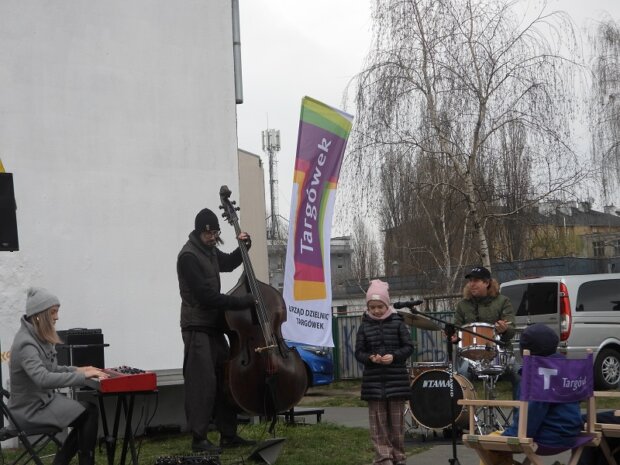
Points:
(486, 310)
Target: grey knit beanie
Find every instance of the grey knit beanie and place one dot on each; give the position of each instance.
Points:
(38, 300)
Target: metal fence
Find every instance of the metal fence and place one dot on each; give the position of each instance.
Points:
(428, 346)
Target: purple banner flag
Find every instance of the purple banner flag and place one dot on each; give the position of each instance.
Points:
(556, 379)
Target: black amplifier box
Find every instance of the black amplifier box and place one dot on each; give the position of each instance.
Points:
(81, 347)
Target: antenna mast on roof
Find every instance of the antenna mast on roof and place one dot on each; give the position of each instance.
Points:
(271, 146)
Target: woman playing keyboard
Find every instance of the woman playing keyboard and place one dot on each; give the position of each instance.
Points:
(35, 375)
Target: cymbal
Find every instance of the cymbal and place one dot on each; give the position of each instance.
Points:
(418, 321)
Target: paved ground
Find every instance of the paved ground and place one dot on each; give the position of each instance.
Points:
(439, 452)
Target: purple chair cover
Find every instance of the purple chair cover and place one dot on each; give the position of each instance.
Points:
(556, 379)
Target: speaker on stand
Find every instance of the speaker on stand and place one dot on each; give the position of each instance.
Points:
(8, 218)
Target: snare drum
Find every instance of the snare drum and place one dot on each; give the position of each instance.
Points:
(430, 399)
(495, 366)
(474, 347)
(421, 367)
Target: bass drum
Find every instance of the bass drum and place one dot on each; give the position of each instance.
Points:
(430, 399)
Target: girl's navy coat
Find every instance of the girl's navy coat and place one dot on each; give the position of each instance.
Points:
(388, 336)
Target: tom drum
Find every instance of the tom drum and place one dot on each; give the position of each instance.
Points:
(421, 367)
(430, 399)
(475, 347)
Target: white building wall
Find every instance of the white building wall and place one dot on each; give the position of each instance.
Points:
(117, 120)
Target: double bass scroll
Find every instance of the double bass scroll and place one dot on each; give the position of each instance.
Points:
(264, 376)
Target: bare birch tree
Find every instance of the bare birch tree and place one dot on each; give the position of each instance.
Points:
(447, 80)
(605, 114)
(365, 260)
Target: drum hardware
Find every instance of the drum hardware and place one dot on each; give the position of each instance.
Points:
(495, 366)
(488, 369)
(489, 419)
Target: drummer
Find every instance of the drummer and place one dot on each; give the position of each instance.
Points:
(482, 303)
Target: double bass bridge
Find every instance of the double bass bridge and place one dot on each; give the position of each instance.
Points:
(263, 349)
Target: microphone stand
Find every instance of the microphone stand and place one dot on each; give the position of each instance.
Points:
(450, 330)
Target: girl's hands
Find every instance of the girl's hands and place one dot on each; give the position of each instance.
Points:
(382, 359)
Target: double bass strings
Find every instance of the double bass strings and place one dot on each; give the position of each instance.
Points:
(261, 311)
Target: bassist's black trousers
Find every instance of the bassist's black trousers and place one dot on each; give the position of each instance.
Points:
(203, 361)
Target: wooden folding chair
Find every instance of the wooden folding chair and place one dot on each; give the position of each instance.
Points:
(32, 448)
(538, 386)
(608, 430)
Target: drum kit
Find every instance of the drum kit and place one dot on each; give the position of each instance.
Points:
(430, 408)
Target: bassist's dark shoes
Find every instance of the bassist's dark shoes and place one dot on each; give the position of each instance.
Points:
(235, 441)
(205, 446)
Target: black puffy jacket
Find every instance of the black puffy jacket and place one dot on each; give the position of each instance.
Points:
(389, 336)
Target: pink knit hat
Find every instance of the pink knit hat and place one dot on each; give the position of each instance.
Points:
(378, 290)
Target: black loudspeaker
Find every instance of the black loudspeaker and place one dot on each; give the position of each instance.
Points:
(267, 451)
(8, 219)
(81, 347)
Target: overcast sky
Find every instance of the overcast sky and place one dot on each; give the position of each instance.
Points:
(294, 48)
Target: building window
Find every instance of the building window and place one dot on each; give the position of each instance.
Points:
(599, 248)
(617, 247)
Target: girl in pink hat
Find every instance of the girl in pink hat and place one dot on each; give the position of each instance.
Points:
(383, 346)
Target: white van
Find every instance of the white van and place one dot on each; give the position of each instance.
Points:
(583, 309)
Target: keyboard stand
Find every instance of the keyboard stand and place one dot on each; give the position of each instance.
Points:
(124, 402)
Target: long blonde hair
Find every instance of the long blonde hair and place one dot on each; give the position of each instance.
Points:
(44, 327)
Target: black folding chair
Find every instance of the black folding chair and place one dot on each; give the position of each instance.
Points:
(41, 437)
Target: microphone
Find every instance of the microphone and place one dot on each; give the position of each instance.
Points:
(407, 304)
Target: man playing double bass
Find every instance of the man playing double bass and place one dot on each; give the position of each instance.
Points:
(199, 264)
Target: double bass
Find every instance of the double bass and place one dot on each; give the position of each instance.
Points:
(264, 376)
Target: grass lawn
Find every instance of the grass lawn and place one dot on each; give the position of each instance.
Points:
(316, 444)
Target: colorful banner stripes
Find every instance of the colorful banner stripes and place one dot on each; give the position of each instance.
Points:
(322, 139)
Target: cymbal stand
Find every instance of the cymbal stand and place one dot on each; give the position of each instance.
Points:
(489, 419)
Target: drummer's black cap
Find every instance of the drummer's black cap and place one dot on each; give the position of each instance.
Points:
(478, 272)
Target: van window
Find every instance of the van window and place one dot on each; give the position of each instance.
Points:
(599, 296)
(533, 298)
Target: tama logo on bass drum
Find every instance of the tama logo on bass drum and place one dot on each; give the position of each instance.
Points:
(435, 383)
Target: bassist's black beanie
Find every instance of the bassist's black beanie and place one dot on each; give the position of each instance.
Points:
(206, 220)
